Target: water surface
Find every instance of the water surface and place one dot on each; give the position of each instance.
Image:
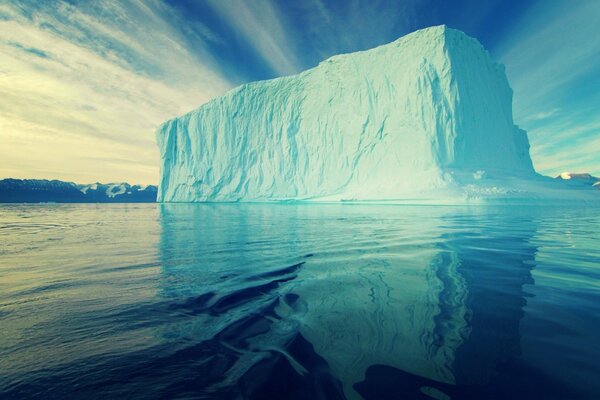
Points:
(299, 301)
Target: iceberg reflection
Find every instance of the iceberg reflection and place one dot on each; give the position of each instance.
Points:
(311, 300)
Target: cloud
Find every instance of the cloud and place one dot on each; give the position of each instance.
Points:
(552, 57)
(260, 24)
(79, 85)
(544, 114)
(329, 28)
(30, 50)
(296, 35)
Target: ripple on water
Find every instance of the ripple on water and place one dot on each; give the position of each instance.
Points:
(297, 301)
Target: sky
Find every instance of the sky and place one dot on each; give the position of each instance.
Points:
(85, 84)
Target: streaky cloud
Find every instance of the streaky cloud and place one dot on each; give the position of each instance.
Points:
(260, 25)
(552, 58)
(82, 83)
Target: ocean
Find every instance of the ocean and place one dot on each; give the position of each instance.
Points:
(299, 301)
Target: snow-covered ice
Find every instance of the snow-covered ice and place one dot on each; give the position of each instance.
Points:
(425, 118)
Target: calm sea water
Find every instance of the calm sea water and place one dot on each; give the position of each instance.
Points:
(299, 302)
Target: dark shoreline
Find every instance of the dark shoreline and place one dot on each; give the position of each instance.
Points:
(55, 191)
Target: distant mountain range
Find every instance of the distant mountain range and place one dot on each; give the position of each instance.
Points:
(580, 178)
(55, 191)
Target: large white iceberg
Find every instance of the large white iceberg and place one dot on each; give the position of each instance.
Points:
(426, 117)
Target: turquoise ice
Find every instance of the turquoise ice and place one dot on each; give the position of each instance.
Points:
(427, 117)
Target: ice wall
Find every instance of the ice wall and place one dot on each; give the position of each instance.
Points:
(403, 120)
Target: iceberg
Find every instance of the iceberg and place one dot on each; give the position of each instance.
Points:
(424, 118)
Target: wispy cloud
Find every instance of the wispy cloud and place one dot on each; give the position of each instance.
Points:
(290, 36)
(330, 28)
(260, 24)
(553, 59)
(82, 84)
(543, 115)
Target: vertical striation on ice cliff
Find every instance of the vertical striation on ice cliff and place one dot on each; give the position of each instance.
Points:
(403, 120)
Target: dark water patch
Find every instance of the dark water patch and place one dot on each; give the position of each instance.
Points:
(50, 287)
(193, 305)
(202, 369)
(242, 296)
(513, 380)
(128, 267)
(277, 273)
(20, 302)
(291, 298)
(275, 377)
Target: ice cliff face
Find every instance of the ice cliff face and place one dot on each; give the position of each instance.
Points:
(405, 120)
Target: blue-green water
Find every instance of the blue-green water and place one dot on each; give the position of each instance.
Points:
(299, 302)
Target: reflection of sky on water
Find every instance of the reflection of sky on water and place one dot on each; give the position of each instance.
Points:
(64, 270)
